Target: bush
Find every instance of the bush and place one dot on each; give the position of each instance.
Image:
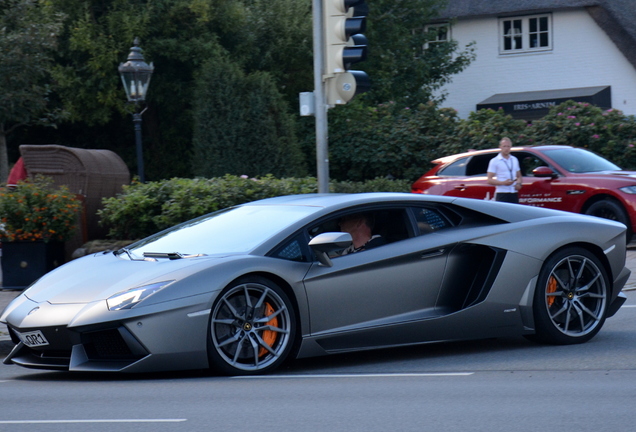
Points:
(397, 142)
(609, 133)
(484, 129)
(35, 210)
(145, 208)
(574, 123)
(387, 140)
(375, 185)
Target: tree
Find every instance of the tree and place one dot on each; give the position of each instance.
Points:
(396, 128)
(28, 37)
(180, 36)
(242, 125)
(177, 35)
(278, 39)
(402, 67)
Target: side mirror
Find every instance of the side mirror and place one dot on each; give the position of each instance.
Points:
(324, 243)
(544, 171)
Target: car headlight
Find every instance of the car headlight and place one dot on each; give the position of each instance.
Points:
(629, 189)
(131, 298)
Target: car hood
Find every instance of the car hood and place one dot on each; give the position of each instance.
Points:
(98, 277)
(603, 177)
(619, 173)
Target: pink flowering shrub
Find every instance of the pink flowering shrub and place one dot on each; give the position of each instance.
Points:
(609, 133)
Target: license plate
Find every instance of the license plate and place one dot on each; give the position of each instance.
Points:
(33, 339)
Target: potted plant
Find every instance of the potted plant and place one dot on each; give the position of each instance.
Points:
(36, 218)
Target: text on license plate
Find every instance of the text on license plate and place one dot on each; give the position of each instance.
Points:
(33, 339)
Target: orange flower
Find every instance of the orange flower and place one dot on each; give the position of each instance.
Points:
(35, 210)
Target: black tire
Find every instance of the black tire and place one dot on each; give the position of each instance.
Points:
(570, 301)
(612, 210)
(252, 328)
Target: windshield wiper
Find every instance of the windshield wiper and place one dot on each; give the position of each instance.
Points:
(127, 252)
(169, 255)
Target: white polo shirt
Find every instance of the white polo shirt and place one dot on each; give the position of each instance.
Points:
(504, 169)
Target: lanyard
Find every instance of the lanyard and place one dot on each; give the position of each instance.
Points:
(508, 166)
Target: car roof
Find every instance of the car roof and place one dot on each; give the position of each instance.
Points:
(334, 200)
(451, 158)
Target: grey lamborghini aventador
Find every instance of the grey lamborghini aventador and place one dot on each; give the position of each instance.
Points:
(244, 289)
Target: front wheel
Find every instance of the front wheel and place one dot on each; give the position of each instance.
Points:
(571, 297)
(252, 327)
(612, 210)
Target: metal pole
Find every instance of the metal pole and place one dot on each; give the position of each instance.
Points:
(140, 153)
(322, 146)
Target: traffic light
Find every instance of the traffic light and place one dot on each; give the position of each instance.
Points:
(344, 21)
(344, 86)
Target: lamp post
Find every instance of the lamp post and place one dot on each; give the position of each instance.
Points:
(135, 74)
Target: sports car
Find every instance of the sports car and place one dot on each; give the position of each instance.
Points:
(558, 177)
(244, 289)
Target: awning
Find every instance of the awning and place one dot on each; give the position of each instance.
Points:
(535, 104)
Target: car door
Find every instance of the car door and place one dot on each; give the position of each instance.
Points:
(392, 284)
(549, 192)
(474, 184)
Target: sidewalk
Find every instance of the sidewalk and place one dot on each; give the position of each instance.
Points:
(6, 296)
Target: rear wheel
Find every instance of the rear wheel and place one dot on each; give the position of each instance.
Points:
(252, 327)
(570, 300)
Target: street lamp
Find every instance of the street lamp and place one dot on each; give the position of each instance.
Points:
(135, 74)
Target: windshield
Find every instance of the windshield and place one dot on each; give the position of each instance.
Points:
(576, 160)
(234, 230)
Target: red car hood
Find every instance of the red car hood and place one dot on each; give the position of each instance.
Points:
(620, 173)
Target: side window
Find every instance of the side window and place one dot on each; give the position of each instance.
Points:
(292, 250)
(528, 162)
(429, 220)
(379, 226)
(478, 165)
(456, 169)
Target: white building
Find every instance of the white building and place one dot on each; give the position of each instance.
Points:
(532, 54)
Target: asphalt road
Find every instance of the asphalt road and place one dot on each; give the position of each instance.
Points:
(491, 385)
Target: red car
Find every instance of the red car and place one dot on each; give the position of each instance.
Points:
(557, 177)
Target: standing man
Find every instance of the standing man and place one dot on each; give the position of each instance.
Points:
(504, 173)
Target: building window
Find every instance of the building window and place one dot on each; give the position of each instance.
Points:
(525, 34)
(437, 33)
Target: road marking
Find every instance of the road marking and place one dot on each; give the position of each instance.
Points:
(628, 306)
(394, 375)
(93, 421)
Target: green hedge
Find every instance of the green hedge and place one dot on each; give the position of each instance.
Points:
(145, 208)
(388, 140)
(610, 133)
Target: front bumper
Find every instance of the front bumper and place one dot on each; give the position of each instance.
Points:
(105, 350)
(87, 337)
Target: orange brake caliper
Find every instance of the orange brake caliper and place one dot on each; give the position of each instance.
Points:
(552, 287)
(269, 336)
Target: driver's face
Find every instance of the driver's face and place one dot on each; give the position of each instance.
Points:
(349, 225)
